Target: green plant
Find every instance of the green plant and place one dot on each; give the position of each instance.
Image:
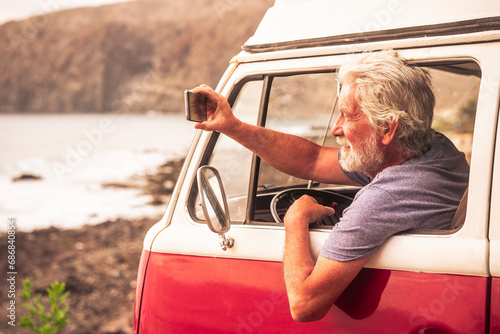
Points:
(39, 320)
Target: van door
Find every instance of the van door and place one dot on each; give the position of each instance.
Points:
(494, 235)
(432, 280)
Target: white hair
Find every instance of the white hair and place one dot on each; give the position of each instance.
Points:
(388, 89)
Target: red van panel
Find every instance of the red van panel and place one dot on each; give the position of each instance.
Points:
(194, 294)
(495, 306)
(139, 286)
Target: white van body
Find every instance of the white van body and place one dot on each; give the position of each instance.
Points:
(418, 282)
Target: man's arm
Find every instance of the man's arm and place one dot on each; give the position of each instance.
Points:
(312, 288)
(290, 154)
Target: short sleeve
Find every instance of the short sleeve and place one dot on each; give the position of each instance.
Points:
(366, 224)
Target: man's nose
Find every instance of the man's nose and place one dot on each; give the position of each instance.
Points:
(337, 129)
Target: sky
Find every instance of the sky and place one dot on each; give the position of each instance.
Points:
(21, 9)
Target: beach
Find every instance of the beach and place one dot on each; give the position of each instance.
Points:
(97, 262)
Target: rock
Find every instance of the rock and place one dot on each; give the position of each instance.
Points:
(26, 177)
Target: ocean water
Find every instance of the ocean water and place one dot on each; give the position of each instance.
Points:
(73, 155)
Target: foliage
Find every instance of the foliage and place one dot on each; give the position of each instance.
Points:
(462, 121)
(39, 320)
(467, 116)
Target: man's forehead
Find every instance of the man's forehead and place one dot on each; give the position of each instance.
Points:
(347, 96)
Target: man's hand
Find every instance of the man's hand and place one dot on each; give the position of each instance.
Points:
(305, 211)
(219, 114)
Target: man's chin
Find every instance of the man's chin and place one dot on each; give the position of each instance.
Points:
(349, 164)
(346, 164)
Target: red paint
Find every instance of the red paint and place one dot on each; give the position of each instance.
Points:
(193, 294)
(495, 306)
(138, 289)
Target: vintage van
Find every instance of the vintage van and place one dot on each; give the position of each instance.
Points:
(192, 280)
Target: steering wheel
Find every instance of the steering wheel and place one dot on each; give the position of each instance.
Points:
(284, 199)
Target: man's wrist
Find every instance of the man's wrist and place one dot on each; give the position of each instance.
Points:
(295, 223)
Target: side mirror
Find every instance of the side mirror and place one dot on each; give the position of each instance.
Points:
(214, 204)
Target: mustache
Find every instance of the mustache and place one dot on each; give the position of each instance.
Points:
(342, 141)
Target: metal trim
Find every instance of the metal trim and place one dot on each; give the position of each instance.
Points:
(442, 29)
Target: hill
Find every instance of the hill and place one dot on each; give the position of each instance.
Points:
(135, 56)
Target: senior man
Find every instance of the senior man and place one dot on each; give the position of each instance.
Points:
(413, 177)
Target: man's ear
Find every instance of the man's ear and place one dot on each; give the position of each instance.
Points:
(389, 132)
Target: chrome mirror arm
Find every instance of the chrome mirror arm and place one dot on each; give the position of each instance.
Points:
(225, 242)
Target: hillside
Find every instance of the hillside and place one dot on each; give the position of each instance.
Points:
(134, 56)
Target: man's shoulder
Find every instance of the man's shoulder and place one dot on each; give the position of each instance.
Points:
(442, 162)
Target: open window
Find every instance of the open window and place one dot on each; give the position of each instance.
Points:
(304, 104)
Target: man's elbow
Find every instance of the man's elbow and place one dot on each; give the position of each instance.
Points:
(305, 312)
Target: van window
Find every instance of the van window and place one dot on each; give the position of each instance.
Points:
(302, 104)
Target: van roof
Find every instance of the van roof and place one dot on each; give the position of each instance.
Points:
(292, 24)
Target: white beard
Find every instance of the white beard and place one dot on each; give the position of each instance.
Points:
(367, 159)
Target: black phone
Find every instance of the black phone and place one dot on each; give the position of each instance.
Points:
(196, 106)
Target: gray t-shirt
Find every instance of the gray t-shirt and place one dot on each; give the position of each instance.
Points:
(423, 192)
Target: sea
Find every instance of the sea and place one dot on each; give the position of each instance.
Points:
(53, 166)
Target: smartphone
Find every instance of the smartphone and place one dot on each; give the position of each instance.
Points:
(196, 106)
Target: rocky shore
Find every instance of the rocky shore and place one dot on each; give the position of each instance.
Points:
(98, 263)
